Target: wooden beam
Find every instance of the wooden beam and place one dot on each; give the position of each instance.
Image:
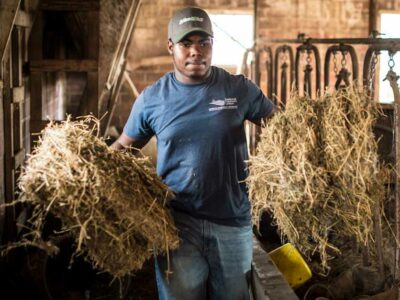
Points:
(16, 56)
(19, 158)
(37, 126)
(74, 26)
(92, 94)
(65, 65)
(112, 103)
(2, 189)
(9, 172)
(70, 5)
(267, 281)
(17, 112)
(128, 79)
(8, 13)
(92, 52)
(23, 19)
(124, 41)
(18, 94)
(35, 49)
(153, 61)
(372, 20)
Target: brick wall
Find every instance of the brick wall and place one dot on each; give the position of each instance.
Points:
(276, 19)
(318, 19)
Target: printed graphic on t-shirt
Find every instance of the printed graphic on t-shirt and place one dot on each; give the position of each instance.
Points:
(220, 104)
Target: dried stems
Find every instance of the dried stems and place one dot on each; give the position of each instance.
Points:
(316, 170)
(111, 202)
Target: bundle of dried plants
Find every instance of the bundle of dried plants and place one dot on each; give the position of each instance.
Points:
(111, 202)
(316, 169)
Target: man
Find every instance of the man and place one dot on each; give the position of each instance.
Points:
(197, 113)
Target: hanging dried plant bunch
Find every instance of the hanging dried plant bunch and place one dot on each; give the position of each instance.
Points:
(316, 169)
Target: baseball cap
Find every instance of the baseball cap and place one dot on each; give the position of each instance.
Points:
(187, 20)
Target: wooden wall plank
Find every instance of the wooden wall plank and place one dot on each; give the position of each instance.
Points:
(37, 126)
(18, 158)
(18, 94)
(65, 65)
(36, 95)
(16, 56)
(8, 13)
(92, 52)
(16, 126)
(2, 188)
(36, 79)
(70, 5)
(267, 281)
(9, 174)
(92, 87)
(23, 19)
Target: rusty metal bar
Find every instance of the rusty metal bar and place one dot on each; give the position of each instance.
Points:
(269, 68)
(283, 92)
(278, 51)
(368, 60)
(256, 74)
(312, 49)
(392, 77)
(355, 41)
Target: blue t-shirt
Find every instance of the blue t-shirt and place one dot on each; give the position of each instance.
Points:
(201, 142)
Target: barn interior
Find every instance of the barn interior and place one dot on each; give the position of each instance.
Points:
(74, 58)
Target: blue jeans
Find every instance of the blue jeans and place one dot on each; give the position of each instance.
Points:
(212, 261)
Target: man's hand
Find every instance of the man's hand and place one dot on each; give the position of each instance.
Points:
(125, 141)
(262, 122)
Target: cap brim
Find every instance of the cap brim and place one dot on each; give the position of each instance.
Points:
(191, 30)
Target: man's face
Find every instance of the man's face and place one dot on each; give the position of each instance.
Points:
(192, 58)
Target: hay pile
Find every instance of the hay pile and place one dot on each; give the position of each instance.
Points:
(109, 201)
(317, 171)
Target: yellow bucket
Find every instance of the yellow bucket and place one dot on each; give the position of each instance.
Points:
(291, 264)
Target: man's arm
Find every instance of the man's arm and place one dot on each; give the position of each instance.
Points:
(260, 122)
(125, 141)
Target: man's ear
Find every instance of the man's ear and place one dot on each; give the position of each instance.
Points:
(170, 47)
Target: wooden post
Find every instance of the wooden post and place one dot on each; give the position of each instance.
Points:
(392, 77)
(117, 71)
(92, 52)
(373, 9)
(8, 13)
(2, 190)
(10, 229)
(36, 80)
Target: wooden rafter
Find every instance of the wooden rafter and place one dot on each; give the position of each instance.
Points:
(66, 65)
(70, 5)
(8, 14)
(124, 41)
(116, 75)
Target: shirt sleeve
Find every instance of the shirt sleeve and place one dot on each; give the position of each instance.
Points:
(137, 126)
(259, 105)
